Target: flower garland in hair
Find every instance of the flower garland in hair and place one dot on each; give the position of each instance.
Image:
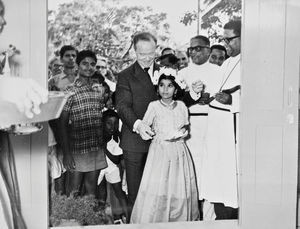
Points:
(168, 71)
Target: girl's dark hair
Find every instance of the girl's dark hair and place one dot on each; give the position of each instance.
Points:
(172, 79)
(109, 113)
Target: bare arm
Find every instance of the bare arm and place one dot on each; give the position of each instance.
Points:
(63, 129)
(114, 158)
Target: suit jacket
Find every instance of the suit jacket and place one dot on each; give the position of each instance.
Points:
(134, 92)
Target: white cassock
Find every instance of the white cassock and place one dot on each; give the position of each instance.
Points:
(198, 113)
(219, 170)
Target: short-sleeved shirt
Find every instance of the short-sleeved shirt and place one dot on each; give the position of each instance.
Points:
(85, 118)
(60, 81)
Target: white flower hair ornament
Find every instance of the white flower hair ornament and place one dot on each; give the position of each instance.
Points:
(168, 71)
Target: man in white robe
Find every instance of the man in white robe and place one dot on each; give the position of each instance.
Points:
(199, 69)
(219, 183)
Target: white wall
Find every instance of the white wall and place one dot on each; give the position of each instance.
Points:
(27, 29)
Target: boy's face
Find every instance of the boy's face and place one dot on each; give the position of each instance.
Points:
(86, 67)
(111, 125)
(217, 57)
(69, 58)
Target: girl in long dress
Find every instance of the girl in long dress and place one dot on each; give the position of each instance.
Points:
(168, 189)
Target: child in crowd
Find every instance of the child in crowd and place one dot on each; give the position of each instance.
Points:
(168, 190)
(113, 157)
(55, 165)
(100, 85)
(81, 129)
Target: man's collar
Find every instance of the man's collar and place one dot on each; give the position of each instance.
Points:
(152, 68)
(198, 65)
(70, 72)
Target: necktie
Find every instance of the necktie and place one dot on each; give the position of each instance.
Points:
(146, 70)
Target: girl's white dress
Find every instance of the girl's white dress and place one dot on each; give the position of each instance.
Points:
(168, 190)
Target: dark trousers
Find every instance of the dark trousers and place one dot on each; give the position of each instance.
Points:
(223, 212)
(134, 166)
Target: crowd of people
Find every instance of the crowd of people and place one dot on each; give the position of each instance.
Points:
(166, 127)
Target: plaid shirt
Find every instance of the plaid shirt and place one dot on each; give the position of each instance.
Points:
(85, 118)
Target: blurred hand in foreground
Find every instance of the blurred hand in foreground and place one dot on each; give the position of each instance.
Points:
(25, 93)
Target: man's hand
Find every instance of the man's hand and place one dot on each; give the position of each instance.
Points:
(224, 98)
(198, 86)
(204, 99)
(145, 131)
(68, 162)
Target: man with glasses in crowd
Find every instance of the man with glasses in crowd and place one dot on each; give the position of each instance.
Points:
(103, 68)
(199, 69)
(134, 92)
(219, 182)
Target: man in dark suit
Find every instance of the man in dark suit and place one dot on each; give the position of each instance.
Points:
(134, 92)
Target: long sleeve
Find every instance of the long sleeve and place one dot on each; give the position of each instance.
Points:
(124, 102)
(149, 115)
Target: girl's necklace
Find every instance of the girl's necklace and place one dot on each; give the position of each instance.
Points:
(170, 106)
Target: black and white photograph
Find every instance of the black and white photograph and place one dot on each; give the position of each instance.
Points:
(149, 114)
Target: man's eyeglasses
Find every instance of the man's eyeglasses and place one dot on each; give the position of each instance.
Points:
(228, 39)
(197, 48)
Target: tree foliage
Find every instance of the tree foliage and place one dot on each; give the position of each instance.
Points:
(104, 26)
(225, 10)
